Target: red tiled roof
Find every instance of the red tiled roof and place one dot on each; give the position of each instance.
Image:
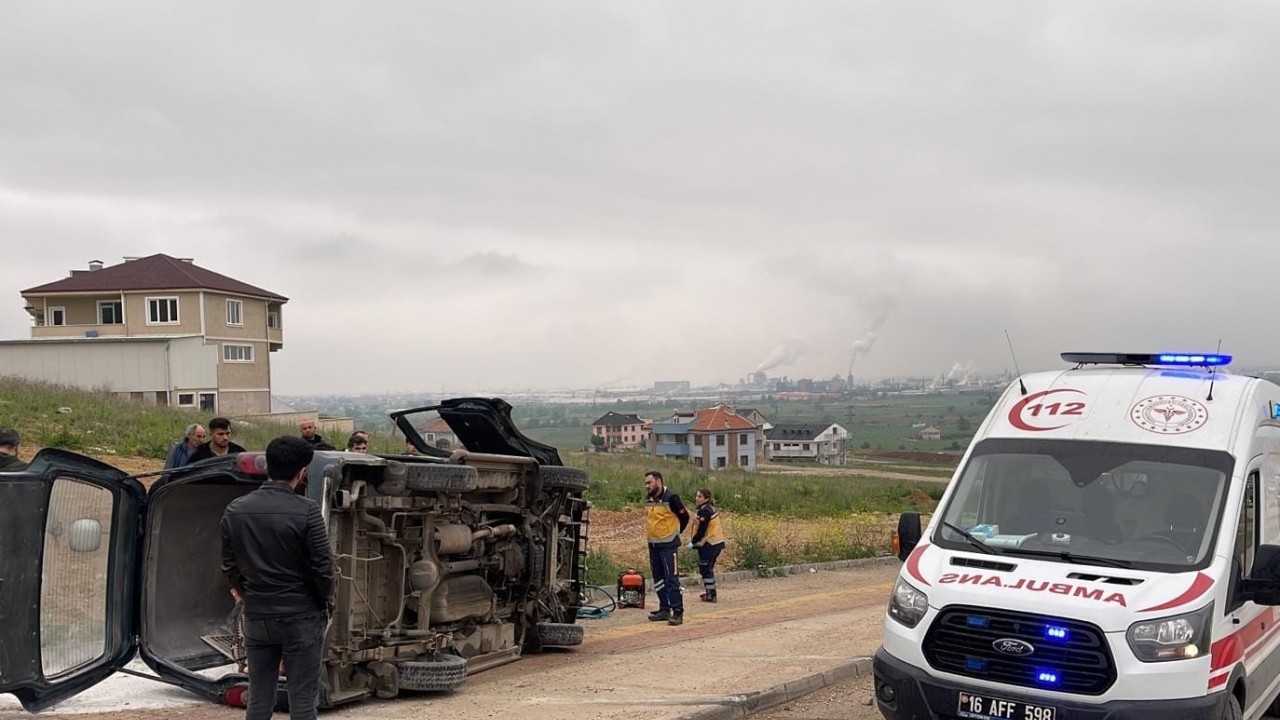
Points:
(719, 419)
(154, 272)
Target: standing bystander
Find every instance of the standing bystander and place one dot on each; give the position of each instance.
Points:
(9, 442)
(182, 450)
(665, 518)
(275, 554)
(219, 443)
(308, 430)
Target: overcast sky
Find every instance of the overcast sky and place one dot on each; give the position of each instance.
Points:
(519, 195)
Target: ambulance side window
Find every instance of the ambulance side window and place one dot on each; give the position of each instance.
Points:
(1247, 527)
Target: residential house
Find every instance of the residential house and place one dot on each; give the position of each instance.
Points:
(712, 438)
(158, 329)
(931, 433)
(825, 444)
(619, 431)
(762, 426)
(438, 434)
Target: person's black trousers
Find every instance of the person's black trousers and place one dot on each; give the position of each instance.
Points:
(297, 640)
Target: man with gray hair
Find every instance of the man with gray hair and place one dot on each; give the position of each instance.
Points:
(9, 441)
(181, 450)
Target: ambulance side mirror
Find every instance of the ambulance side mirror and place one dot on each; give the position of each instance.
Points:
(1263, 584)
(908, 535)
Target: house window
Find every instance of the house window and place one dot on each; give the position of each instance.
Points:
(57, 316)
(722, 462)
(777, 446)
(162, 311)
(805, 447)
(697, 440)
(744, 461)
(273, 320)
(697, 461)
(186, 399)
(208, 402)
(743, 439)
(110, 312)
(237, 353)
(719, 441)
(235, 313)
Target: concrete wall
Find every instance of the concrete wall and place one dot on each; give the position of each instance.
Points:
(92, 365)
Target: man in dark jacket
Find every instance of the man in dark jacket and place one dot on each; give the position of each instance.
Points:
(275, 553)
(9, 442)
(219, 443)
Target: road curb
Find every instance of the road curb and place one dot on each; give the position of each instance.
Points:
(736, 575)
(740, 706)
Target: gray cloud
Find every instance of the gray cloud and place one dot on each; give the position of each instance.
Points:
(665, 189)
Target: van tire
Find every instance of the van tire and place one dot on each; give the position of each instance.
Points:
(446, 672)
(559, 634)
(436, 478)
(1232, 711)
(555, 477)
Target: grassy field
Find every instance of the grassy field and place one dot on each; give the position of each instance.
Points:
(805, 514)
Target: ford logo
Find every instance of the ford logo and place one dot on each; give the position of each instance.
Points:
(1013, 646)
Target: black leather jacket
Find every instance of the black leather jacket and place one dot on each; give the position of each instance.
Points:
(275, 551)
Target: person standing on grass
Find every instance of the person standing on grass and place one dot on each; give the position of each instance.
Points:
(308, 430)
(219, 442)
(665, 518)
(182, 450)
(708, 540)
(275, 554)
(9, 442)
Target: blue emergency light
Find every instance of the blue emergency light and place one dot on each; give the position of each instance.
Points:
(1178, 359)
(1057, 632)
(1048, 678)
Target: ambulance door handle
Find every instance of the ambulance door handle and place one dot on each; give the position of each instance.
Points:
(1235, 621)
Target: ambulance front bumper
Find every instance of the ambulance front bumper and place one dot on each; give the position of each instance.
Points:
(904, 692)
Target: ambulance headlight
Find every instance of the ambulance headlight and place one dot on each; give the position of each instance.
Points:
(907, 605)
(1173, 638)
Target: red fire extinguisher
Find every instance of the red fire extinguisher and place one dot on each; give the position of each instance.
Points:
(631, 589)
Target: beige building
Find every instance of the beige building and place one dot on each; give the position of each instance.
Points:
(159, 329)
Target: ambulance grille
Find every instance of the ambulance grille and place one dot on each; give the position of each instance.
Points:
(962, 641)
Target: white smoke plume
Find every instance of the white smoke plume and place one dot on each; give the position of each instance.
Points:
(881, 306)
(787, 352)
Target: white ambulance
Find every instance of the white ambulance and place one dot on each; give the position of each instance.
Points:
(1109, 548)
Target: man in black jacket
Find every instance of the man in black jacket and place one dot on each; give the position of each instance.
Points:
(275, 553)
(9, 442)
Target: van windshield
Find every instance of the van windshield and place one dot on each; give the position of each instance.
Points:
(1147, 506)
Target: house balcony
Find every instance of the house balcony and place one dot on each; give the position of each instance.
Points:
(672, 449)
(77, 331)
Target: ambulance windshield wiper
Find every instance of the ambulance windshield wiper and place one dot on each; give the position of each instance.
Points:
(1068, 557)
(972, 540)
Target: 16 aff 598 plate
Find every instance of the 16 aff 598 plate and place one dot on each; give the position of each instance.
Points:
(981, 707)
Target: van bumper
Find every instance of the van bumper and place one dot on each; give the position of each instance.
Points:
(916, 695)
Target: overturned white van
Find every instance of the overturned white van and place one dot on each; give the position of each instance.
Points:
(1109, 547)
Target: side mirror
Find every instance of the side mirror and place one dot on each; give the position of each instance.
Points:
(908, 535)
(85, 535)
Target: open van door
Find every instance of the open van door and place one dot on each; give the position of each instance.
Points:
(70, 533)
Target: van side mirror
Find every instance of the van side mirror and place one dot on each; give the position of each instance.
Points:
(909, 534)
(1263, 584)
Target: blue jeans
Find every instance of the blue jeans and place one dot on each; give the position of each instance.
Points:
(298, 641)
(666, 583)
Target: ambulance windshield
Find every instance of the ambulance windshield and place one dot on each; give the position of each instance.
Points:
(1154, 507)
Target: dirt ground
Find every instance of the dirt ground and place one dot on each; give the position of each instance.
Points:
(763, 632)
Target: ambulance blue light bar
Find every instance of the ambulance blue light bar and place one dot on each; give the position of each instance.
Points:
(1179, 359)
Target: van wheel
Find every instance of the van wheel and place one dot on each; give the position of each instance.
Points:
(1232, 710)
(435, 478)
(446, 672)
(560, 634)
(557, 477)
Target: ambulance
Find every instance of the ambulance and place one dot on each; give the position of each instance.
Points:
(1108, 548)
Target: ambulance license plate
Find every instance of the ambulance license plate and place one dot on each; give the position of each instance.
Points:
(980, 707)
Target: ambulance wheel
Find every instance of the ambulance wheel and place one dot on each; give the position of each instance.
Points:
(560, 634)
(446, 672)
(1232, 710)
(567, 478)
(435, 478)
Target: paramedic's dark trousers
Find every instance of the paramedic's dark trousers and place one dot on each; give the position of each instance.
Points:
(707, 556)
(666, 584)
(298, 641)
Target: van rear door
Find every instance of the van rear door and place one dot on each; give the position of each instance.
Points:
(70, 531)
